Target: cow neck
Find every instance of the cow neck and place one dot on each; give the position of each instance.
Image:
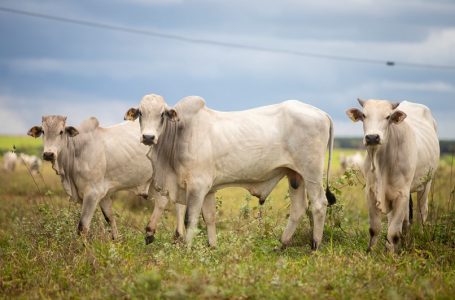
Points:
(165, 153)
(383, 161)
(64, 166)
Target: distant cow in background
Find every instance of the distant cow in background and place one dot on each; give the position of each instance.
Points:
(403, 154)
(354, 161)
(196, 151)
(93, 162)
(9, 161)
(32, 162)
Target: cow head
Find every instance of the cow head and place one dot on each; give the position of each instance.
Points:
(152, 112)
(377, 117)
(55, 134)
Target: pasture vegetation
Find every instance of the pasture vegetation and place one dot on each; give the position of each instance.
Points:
(41, 256)
(22, 143)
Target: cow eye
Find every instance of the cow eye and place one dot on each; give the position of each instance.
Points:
(162, 114)
(61, 132)
(388, 117)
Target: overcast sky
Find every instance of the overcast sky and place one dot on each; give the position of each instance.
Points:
(47, 67)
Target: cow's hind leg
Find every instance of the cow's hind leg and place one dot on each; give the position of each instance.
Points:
(106, 208)
(209, 214)
(158, 209)
(375, 220)
(180, 210)
(422, 202)
(318, 208)
(298, 207)
(407, 216)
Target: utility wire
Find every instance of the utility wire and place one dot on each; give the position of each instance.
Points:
(175, 37)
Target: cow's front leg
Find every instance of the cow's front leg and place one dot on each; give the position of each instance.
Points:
(396, 218)
(209, 214)
(375, 220)
(88, 209)
(106, 208)
(195, 199)
(318, 209)
(158, 209)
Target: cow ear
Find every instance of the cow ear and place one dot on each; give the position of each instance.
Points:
(355, 115)
(132, 114)
(35, 131)
(71, 131)
(397, 116)
(172, 114)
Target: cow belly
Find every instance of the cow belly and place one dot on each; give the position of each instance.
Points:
(250, 181)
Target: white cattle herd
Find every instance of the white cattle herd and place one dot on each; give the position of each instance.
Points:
(185, 153)
(10, 159)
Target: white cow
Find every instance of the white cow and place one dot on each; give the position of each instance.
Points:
(93, 162)
(197, 150)
(354, 161)
(32, 162)
(9, 161)
(403, 154)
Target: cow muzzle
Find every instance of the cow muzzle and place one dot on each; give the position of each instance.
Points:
(372, 139)
(148, 139)
(49, 156)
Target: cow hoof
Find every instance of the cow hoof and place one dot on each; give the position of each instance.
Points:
(81, 229)
(149, 239)
(314, 245)
(177, 235)
(178, 238)
(261, 201)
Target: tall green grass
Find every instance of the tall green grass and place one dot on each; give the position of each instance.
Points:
(41, 256)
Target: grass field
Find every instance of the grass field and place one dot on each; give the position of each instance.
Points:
(22, 143)
(41, 256)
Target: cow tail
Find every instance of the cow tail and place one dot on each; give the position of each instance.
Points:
(329, 195)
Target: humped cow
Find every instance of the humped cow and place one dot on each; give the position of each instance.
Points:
(196, 151)
(32, 162)
(402, 157)
(93, 162)
(353, 161)
(9, 161)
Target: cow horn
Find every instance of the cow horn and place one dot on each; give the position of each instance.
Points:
(361, 102)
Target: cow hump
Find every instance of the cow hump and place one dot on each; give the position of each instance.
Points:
(89, 125)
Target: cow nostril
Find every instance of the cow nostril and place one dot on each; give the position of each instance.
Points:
(372, 139)
(147, 139)
(48, 156)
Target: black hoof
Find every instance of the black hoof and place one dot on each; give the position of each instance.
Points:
(149, 239)
(314, 245)
(261, 201)
(81, 230)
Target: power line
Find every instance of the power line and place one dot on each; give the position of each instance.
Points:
(175, 37)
